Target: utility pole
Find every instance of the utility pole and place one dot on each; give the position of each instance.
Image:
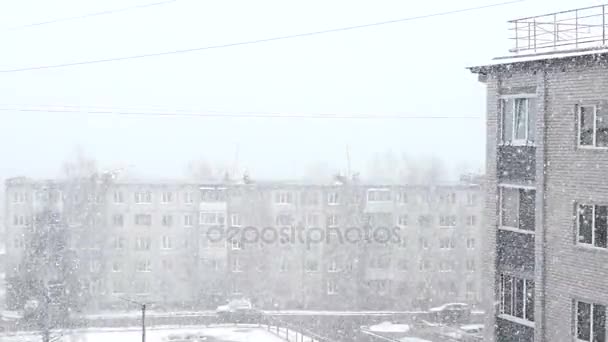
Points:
(143, 323)
(143, 316)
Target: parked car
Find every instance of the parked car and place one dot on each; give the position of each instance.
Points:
(240, 311)
(451, 313)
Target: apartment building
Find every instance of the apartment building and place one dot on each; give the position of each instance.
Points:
(282, 244)
(546, 180)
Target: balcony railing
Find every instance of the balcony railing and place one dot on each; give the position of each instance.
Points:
(574, 29)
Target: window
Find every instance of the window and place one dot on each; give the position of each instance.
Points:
(167, 221)
(592, 126)
(94, 266)
(312, 220)
(18, 243)
(424, 265)
(142, 243)
(187, 220)
(403, 242)
(402, 220)
(517, 297)
(590, 322)
(212, 218)
(471, 220)
(166, 197)
(235, 220)
(471, 199)
(283, 220)
(333, 198)
(332, 287)
(517, 208)
(189, 197)
(424, 220)
(333, 266)
(447, 221)
(518, 120)
(332, 220)
(310, 198)
(119, 243)
(378, 195)
(167, 265)
(402, 197)
(311, 265)
(446, 266)
(449, 198)
(20, 220)
(213, 195)
(470, 243)
(19, 197)
(116, 266)
(143, 197)
(380, 261)
(118, 220)
(424, 243)
(283, 265)
(118, 197)
(143, 219)
(470, 265)
(592, 225)
(236, 264)
(144, 266)
(166, 242)
(236, 244)
(283, 198)
(446, 243)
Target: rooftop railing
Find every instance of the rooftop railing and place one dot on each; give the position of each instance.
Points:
(574, 29)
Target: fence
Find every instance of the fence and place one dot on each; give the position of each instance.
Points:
(579, 28)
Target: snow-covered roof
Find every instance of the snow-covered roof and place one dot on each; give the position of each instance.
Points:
(390, 327)
(547, 56)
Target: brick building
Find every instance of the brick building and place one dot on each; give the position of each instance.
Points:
(547, 184)
(187, 245)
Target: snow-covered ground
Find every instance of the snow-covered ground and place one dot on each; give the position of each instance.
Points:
(213, 334)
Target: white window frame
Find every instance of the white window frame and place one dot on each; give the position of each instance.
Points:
(283, 197)
(471, 199)
(593, 234)
(333, 266)
(470, 265)
(166, 197)
(235, 220)
(332, 287)
(119, 197)
(116, 269)
(511, 317)
(513, 141)
(447, 220)
(188, 197)
(470, 243)
(188, 220)
(309, 220)
(235, 244)
(579, 109)
(147, 266)
(143, 197)
(332, 220)
(236, 266)
(471, 220)
(592, 305)
(501, 187)
(378, 191)
(400, 221)
(166, 242)
(333, 198)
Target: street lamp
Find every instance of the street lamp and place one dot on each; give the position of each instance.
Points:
(143, 316)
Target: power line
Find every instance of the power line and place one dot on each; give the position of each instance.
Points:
(250, 42)
(125, 9)
(251, 115)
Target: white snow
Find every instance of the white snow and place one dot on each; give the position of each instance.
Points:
(390, 327)
(547, 55)
(241, 333)
(412, 339)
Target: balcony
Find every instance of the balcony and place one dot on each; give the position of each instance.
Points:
(516, 164)
(515, 251)
(582, 28)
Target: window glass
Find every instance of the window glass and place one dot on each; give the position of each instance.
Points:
(585, 221)
(586, 125)
(600, 225)
(521, 116)
(507, 120)
(601, 127)
(583, 321)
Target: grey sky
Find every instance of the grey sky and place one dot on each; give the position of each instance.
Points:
(410, 68)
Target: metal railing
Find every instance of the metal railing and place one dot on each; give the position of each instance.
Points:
(574, 29)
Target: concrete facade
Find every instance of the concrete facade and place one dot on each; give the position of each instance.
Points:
(155, 242)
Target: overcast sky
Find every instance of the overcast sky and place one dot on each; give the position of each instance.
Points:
(410, 68)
